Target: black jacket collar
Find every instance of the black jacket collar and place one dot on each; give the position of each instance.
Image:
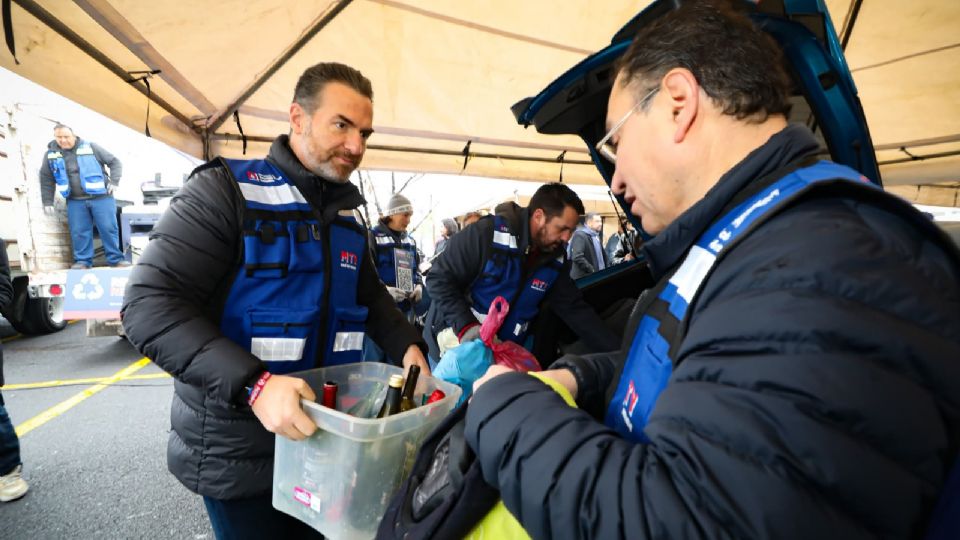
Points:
(790, 145)
(326, 196)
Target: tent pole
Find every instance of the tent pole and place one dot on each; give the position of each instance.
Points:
(54, 24)
(278, 63)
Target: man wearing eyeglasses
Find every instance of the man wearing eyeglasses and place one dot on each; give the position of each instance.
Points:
(794, 372)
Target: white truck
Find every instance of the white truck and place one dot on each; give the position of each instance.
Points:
(46, 290)
(38, 244)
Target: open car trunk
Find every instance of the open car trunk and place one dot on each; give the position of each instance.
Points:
(824, 99)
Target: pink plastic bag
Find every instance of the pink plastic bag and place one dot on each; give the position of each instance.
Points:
(505, 353)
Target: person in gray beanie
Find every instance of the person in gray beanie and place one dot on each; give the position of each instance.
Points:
(397, 260)
(396, 253)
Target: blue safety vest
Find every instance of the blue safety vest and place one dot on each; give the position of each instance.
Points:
(649, 364)
(503, 275)
(386, 248)
(91, 172)
(293, 302)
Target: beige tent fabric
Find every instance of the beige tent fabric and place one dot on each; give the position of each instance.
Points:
(444, 72)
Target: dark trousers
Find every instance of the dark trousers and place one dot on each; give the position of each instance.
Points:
(9, 443)
(256, 519)
(82, 216)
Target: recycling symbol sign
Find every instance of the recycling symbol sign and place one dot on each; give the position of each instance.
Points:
(89, 288)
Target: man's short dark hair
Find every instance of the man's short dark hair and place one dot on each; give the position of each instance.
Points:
(62, 126)
(312, 81)
(552, 198)
(738, 65)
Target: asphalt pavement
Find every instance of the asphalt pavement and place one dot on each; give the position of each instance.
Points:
(94, 455)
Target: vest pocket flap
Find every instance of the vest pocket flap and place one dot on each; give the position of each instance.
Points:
(281, 335)
(266, 251)
(348, 327)
(306, 250)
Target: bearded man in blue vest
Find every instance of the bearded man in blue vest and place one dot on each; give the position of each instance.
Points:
(520, 254)
(86, 176)
(795, 370)
(259, 269)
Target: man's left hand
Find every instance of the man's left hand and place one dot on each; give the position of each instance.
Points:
(415, 356)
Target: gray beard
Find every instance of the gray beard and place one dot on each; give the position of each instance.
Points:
(329, 172)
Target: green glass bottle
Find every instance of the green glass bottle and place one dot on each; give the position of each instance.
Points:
(409, 387)
(391, 404)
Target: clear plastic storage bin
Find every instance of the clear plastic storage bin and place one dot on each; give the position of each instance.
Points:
(340, 480)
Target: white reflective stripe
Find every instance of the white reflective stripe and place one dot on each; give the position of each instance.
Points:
(277, 349)
(85, 151)
(384, 240)
(54, 155)
(348, 341)
(272, 195)
(691, 273)
(504, 239)
(480, 316)
(95, 185)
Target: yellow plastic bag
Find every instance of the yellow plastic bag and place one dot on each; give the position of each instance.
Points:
(499, 523)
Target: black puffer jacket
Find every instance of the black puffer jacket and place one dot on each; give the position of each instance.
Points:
(172, 309)
(816, 393)
(459, 265)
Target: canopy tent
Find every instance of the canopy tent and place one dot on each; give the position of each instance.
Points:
(444, 74)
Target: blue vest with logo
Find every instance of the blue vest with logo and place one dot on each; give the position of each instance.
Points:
(91, 172)
(387, 247)
(293, 303)
(649, 364)
(503, 275)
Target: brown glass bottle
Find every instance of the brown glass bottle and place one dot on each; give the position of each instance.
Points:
(391, 404)
(409, 387)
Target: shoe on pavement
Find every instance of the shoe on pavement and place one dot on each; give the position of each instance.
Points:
(13, 486)
(121, 264)
(80, 266)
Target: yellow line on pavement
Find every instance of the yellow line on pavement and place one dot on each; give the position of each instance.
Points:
(70, 382)
(67, 404)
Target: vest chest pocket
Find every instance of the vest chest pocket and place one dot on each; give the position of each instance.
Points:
(266, 251)
(496, 267)
(306, 247)
(283, 335)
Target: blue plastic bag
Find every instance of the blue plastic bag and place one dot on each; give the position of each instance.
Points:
(463, 365)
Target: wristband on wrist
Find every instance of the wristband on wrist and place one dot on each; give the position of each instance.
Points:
(257, 388)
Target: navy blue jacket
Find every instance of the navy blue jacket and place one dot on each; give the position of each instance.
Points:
(816, 392)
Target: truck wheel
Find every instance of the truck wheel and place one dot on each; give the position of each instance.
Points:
(16, 312)
(44, 315)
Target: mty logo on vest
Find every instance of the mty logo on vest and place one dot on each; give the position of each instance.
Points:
(348, 260)
(539, 285)
(263, 178)
(629, 404)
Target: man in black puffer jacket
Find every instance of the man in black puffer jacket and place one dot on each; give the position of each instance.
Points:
(795, 372)
(259, 269)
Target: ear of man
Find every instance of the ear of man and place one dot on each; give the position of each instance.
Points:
(683, 92)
